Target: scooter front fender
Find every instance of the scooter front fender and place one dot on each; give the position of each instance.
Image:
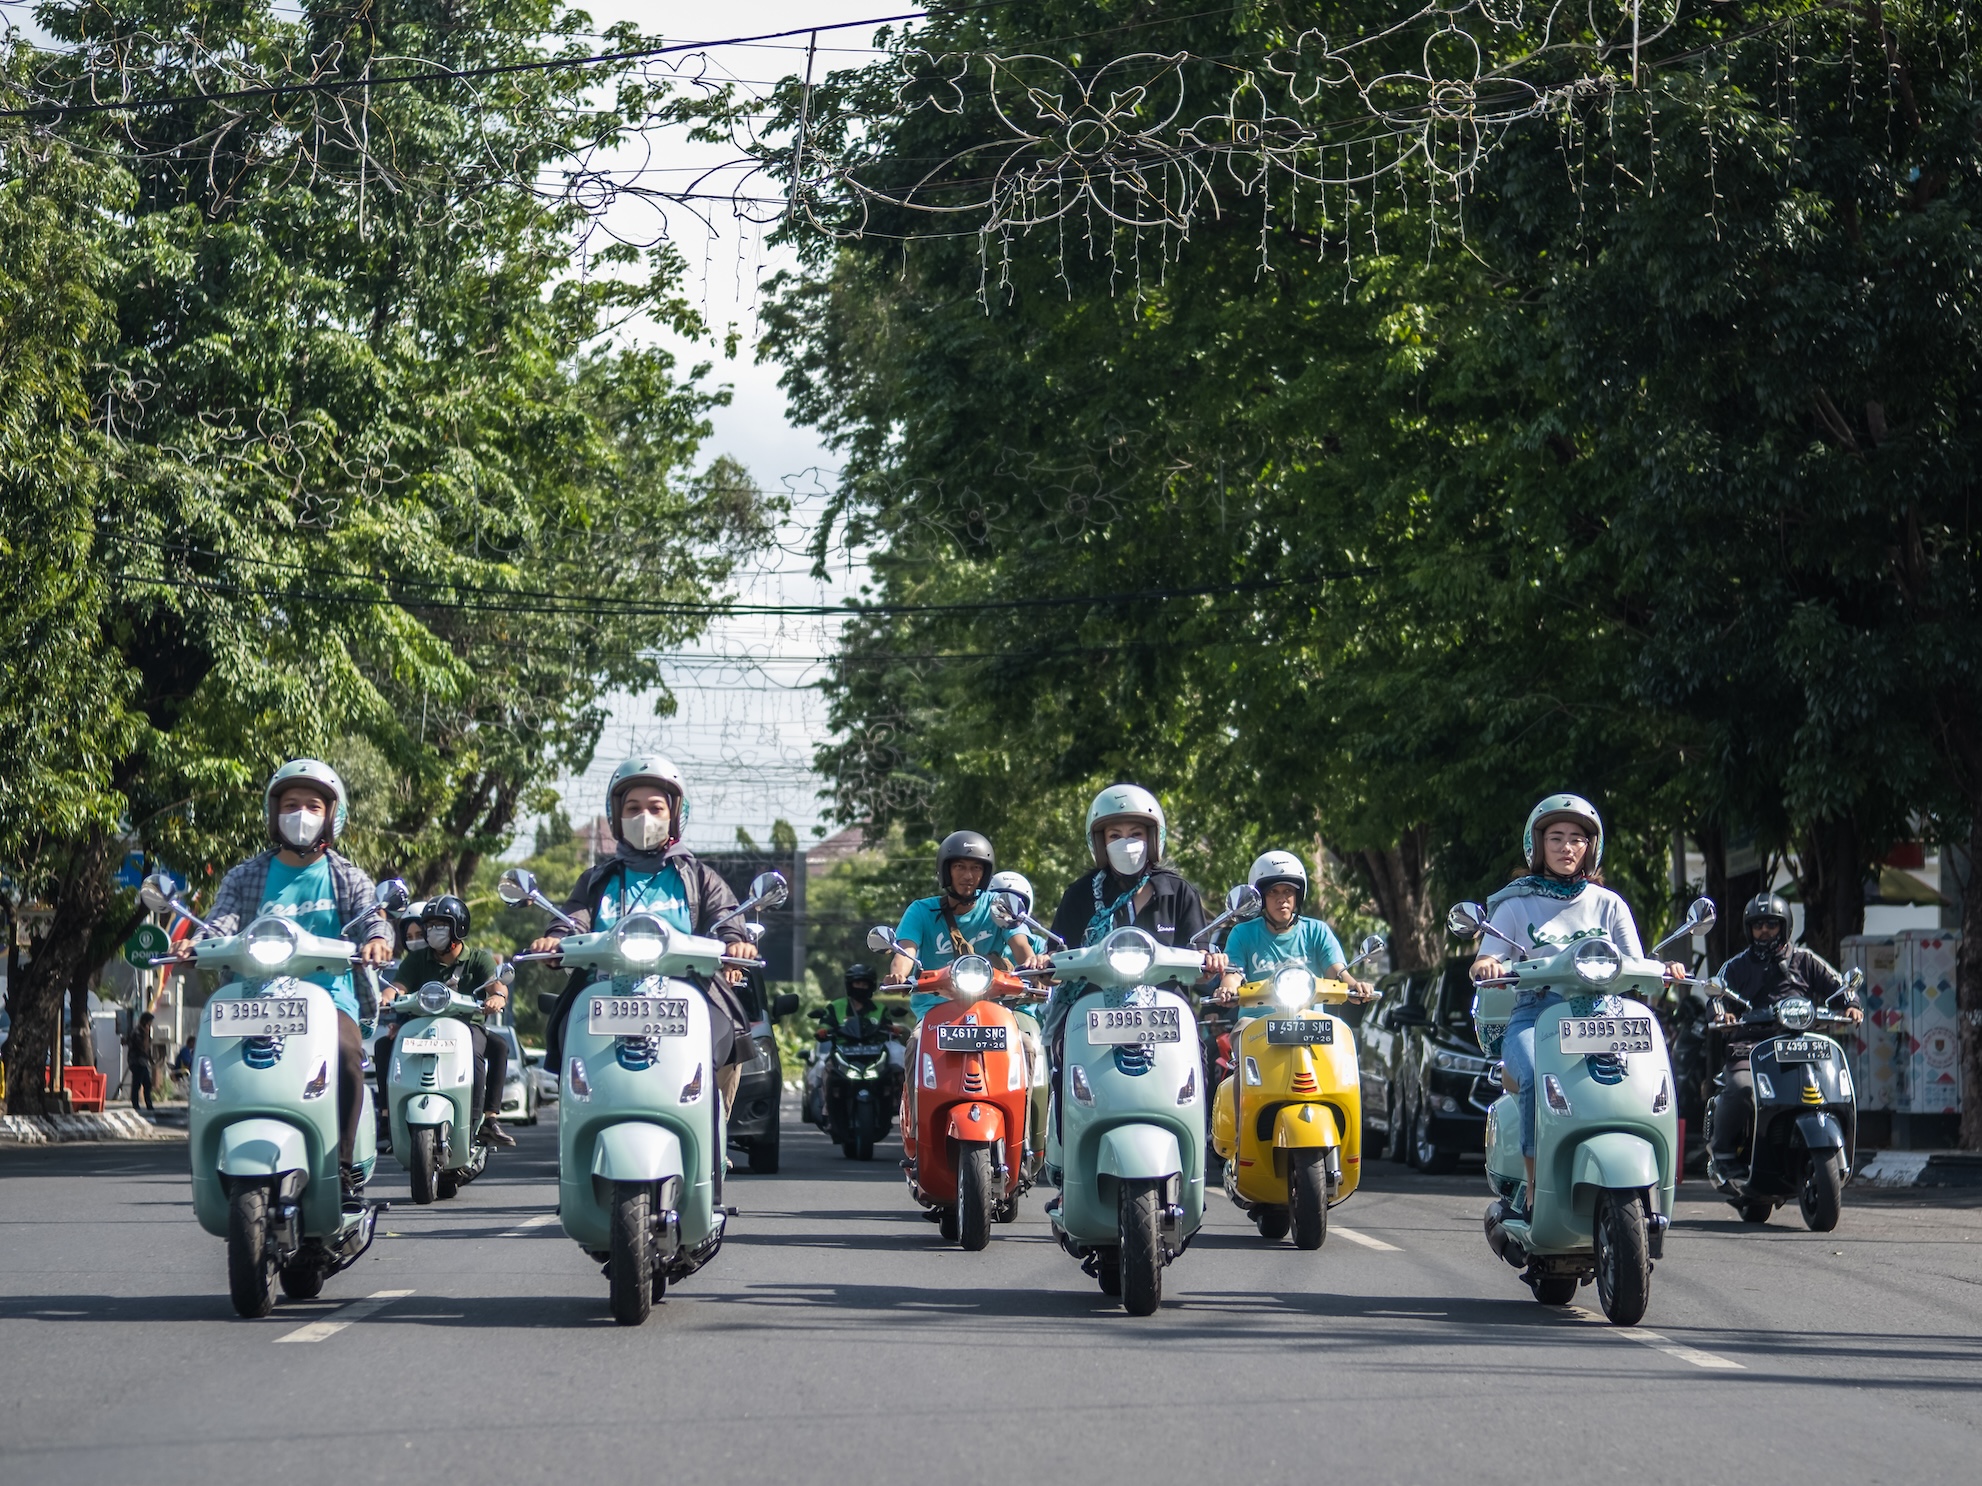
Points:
(262, 1148)
(1820, 1131)
(976, 1124)
(428, 1109)
(1139, 1152)
(635, 1151)
(1299, 1126)
(1615, 1161)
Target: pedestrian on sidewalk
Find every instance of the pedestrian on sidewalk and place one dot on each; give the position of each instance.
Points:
(182, 1062)
(138, 1041)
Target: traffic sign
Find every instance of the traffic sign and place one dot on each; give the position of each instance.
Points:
(146, 941)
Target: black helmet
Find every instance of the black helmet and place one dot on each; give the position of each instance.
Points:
(448, 910)
(1765, 906)
(862, 976)
(964, 846)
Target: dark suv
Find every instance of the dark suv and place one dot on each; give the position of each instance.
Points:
(1425, 1082)
(753, 1124)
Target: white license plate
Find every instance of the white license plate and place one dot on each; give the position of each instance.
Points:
(639, 1016)
(424, 1044)
(1606, 1034)
(1127, 1026)
(259, 1016)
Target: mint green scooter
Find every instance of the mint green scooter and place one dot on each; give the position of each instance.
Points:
(432, 1095)
(1126, 1132)
(263, 1115)
(640, 1136)
(1606, 1130)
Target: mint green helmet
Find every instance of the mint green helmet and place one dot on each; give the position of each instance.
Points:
(1564, 807)
(319, 775)
(1120, 801)
(648, 768)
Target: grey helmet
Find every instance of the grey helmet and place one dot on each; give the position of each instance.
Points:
(1130, 801)
(1563, 807)
(648, 768)
(316, 773)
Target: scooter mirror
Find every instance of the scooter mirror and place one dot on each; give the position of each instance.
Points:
(392, 895)
(1465, 920)
(1854, 980)
(156, 892)
(1244, 901)
(783, 1006)
(1373, 945)
(880, 938)
(769, 889)
(507, 974)
(1702, 915)
(1005, 908)
(516, 885)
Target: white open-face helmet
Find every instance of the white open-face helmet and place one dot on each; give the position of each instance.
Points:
(1275, 867)
(1564, 807)
(1125, 802)
(654, 769)
(1013, 882)
(319, 776)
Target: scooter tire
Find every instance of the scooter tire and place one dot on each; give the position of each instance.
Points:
(1624, 1258)
(302, 1280)
(1307, 1193)
(1755, 1210)
(974, 1198)
(1554, 1289)
(630, 1261)
(1142, 1246)
(423, 1162)
(1108, 1270)
(1273, 1223)
(447, 1184)
(1397, 1143)
(250, 1268)
(1822, 1196)
(764, 1154)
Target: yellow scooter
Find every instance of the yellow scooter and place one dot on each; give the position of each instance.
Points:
(1289, 1121)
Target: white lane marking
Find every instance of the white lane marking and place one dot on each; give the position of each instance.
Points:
(357, 1310)
(1661, 1343)
(540, 1221)
(1364, 1239)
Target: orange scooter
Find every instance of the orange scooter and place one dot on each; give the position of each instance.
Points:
(967, 1099)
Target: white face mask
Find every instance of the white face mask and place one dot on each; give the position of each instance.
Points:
(439, 937)
(643, 832)
(1126, 854)
(300, 828)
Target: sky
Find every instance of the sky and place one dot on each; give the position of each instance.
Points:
(746, 726)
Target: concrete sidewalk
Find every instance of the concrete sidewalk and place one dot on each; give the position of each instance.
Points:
(115, 1124)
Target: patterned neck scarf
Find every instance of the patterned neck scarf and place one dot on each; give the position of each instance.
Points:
(1104, 917)
(1547, 887)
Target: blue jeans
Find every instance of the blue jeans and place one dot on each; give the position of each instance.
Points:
(1517, 1052)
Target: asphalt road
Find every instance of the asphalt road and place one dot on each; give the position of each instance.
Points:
(836, 1339)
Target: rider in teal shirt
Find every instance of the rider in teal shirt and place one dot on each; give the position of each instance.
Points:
(1261, 945)
(964, 865)
(303, 896)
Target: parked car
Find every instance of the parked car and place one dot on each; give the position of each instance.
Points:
(753, 1124)
(519, 1088)
(1425, 1083)
(544, 1078)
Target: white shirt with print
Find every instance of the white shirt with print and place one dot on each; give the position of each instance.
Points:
(1538, 925)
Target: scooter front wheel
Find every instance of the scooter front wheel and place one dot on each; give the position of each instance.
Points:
(250, 1267)
(1142, 1247)
(974, 1199)
(630, 1262)
(1624, 1260)
(1822, 1197)
(423, 1162)
(1307, 1191)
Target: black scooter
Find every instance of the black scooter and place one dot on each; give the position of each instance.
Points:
(860, 1086)
(1805, 1132)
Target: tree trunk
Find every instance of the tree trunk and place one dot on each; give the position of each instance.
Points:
(1830, 874)
(1397, 879)
(1968, 989)
(35, 994)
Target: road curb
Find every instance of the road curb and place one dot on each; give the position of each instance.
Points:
(114, 1124)
(1920, 1169)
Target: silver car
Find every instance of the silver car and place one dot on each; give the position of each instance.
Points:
(519, 1087)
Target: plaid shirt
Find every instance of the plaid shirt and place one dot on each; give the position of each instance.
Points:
(241, 890)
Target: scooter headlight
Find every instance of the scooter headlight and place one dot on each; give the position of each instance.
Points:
(1796, 1013)
(1129, 952)
(641, 939)
(433, 997)
(1597, 962)
(970, 978)
(272, 941)
(1293, 987)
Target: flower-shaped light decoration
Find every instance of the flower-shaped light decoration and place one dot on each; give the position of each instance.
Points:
(932, 80)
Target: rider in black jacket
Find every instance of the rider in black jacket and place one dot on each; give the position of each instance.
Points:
(1769, 970)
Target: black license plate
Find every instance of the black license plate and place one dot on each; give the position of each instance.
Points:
(1803, 1049)
(1300, 1031)
(953, 1037)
